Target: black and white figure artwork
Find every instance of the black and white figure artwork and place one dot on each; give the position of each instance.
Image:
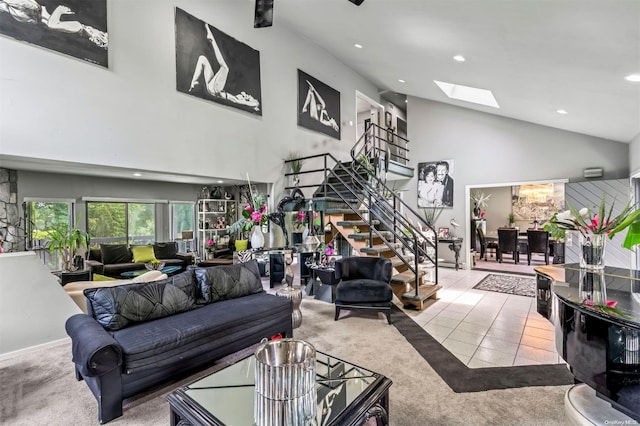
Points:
(214, 66)
(318, 106)
(435, 184)
(76, 28)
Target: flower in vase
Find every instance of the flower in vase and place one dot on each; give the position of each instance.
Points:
(254, 213)
(211, 245)
(601, 221)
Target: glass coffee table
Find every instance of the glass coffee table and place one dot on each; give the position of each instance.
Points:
(166, 270)
(346, 395)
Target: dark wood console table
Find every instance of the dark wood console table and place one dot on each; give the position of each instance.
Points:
(597, 322)
(455, 244)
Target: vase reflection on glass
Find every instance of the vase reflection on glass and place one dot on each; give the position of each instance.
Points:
(591, 249)
(592, 288)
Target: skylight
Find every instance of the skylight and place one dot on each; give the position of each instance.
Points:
(468, 94)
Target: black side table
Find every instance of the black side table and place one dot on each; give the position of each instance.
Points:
(72, 276)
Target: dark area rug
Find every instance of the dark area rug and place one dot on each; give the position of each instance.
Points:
(461, 378)
(521, 286)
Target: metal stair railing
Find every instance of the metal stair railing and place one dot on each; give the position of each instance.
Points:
(370, 192)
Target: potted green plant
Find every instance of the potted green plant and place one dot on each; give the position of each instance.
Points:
(512, 220)
(295, 162)
(558, 234)
(66, 240)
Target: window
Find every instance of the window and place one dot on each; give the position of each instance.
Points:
(43, 216)
(121, 223)
(182, 220)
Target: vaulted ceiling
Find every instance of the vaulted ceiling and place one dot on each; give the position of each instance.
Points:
(536, 56)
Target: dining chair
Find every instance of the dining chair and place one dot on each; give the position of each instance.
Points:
(486, 245)
(508, 243)
(538, 242)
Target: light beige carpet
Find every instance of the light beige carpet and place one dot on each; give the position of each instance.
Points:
(39, 388)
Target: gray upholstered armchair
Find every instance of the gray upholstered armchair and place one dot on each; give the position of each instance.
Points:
(364, 285)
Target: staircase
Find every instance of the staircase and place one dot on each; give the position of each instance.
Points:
(373, 219)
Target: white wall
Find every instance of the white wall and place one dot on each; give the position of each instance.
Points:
(33, 306)
(488, 149)
(130, 115)
(634, 156)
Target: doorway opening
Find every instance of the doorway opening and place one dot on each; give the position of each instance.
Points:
(518, 205)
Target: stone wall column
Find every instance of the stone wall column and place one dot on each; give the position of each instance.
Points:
(11, 223)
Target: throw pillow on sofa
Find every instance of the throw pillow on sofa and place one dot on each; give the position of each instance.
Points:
(166, 250)
(117, 307)
(115, 253)
(228, 281)
(143, 254)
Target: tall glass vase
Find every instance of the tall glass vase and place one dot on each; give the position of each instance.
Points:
(592, 250)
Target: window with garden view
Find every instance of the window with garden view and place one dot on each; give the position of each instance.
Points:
(121, 223)
(43, 217)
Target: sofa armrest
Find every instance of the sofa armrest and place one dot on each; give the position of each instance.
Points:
(94, 351)
(187, 258)
(95, 266)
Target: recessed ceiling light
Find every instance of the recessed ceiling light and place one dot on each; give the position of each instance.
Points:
(406, 101)
(357, 46)
(137, 174)
(635, 78)
(468, 94)
(562, 111)
(401, 80)
(220, 181)
(459, 58)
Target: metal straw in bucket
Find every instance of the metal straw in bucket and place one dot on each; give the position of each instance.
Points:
(285, 383)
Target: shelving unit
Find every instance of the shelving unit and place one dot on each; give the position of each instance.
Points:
(214, 216)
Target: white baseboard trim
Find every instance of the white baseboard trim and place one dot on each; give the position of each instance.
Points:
(24, 351)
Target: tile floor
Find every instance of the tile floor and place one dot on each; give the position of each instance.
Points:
(486, 329)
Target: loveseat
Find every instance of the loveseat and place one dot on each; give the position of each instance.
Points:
(139, 335)
(114, 259)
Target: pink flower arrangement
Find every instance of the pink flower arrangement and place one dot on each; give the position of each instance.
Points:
(253, 214)
(329, 250)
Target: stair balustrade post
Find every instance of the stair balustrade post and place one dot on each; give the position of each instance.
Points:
(326, 176)
(416, 260)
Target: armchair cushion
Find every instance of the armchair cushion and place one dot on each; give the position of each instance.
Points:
(363, 291)
(372, 268)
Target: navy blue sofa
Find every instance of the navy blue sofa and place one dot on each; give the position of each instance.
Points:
(139, 335)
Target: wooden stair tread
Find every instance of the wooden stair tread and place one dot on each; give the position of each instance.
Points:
(341, 211)
(376, 249)
(406, 277)
(357, 223)
(424, 292)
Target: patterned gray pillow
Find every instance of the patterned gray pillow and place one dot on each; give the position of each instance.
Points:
(229, 281)
(118, 307)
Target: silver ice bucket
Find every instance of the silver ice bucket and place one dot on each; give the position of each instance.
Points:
(285, 380)
(285, 369)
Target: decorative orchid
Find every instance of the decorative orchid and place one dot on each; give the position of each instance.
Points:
(602, 221)
(480, 199)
